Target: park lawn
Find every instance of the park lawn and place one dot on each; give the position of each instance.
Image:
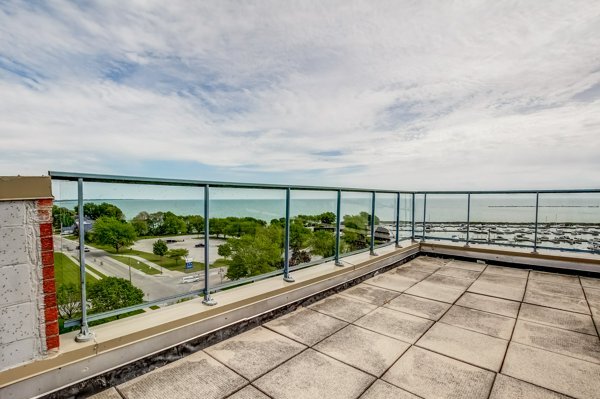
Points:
(165, 261)
(66, 271)
(144, 268)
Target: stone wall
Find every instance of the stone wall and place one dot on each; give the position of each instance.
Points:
(28, 312)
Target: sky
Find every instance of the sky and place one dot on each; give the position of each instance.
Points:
(406, 95)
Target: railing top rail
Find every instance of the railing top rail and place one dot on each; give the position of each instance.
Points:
(559, 191)
(97, 178)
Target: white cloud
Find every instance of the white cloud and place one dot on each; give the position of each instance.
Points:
(393, 94)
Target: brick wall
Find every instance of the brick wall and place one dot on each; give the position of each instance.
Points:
(28, 311)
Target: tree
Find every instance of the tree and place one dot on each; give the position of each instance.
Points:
(255, 255)
(172, 224)
(323, 244)
(62, 217)
(177, 254)
(299, 257)
(217, 226)
(195, 223)
(299, 235)
(68, 298)
(95, 211)
(159, 248)
(224, 250)
(327, 217)
(113, 232)
(140, 226)
(113, 293)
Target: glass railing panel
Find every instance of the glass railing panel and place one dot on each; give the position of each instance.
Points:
(420, 204)
(446, 217)
(247, 228)
(355, 222)
(312, 226)
(385, 218)
(503, 219)
(143, 244)
(569, 221)
(405, 216)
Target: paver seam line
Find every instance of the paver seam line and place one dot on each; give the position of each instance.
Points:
(374, 286)
(122, 395)
(364, 371)
(246, 386)
(485, 311)
(535, 385)
(590, 309)
(489, 296)
(337, 318)
(458, 360)
(551, 307)
(260, 390)
(389, 289)
(302, 343)
(558, 328)
(434, 323)
(556, 353)
(473, 331)
(515, 325)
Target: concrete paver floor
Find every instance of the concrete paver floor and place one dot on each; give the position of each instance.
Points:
(432, 328)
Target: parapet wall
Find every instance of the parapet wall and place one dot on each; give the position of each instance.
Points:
(28, 312)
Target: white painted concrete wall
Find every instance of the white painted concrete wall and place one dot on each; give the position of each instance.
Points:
(22, 333)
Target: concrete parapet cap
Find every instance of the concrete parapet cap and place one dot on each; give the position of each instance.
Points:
(14, 188)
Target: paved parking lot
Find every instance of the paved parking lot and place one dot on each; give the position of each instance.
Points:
(432, 328)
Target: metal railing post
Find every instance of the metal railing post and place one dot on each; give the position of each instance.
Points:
(398, 220)
(412, 235)
(372, 246)
(286, 244)
(468, 217)
(424, 215)
(208, 300)
(338, 223)
(535, 228)
(84, 333)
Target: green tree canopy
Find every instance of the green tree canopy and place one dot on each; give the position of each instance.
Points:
(258, 254)
(68, 298)
(62, 216)
(95, 211)
(177, 254)
(113, 293)
(159, 248)
(323, 244)
(172, 224)
(113, 232)
(224, 250)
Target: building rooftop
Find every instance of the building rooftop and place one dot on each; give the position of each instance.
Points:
(431, 328)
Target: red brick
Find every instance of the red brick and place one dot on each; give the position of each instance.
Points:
(44, 202)
(45, 229)
(51, 314)
(48, 272)
(49, 286)
(52, 328)
(48, 258)
(45, 215)
(52, 342)
(50, 300)
(47, 243)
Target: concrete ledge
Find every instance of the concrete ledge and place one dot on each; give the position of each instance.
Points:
(25, 188)
(170, 333)
(577, 264)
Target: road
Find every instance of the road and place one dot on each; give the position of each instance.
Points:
(154, 286)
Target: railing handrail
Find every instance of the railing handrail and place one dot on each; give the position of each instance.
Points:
(102, 178)
(97, 178)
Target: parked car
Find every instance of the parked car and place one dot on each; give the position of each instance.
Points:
(85, 249)
(199, 245)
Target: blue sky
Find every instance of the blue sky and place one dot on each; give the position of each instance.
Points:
(388, 94)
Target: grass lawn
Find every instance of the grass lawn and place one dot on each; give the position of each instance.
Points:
(165, 261)
(135, 264)
(66, 271)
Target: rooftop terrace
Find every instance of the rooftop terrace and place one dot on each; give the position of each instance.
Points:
(431, 328)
